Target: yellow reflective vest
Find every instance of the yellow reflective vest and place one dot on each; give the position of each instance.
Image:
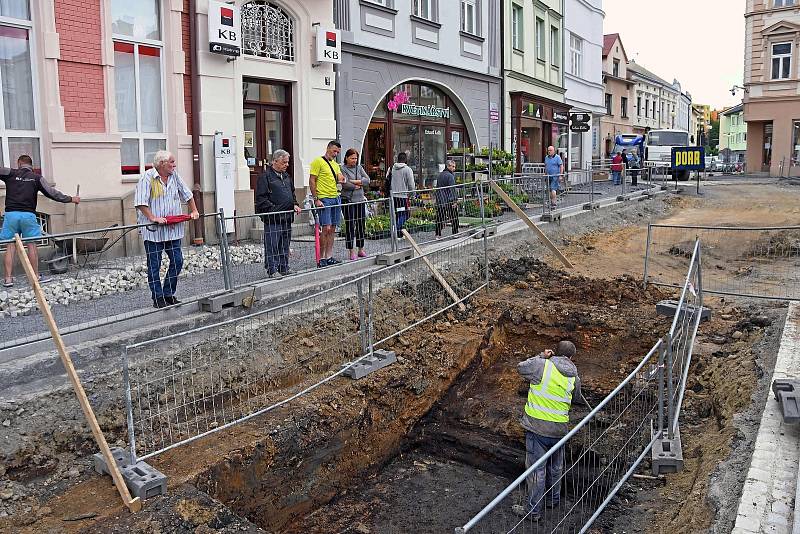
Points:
(550, 400)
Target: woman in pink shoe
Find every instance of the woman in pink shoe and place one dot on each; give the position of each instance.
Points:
(355, 184)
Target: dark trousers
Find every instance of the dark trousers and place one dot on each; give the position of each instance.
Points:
(545, 481)
(401, 206)
(446, 212)
(277, 236)
(154, 249)
(354, 224)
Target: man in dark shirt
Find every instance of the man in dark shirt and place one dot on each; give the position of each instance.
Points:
(446, 199)
(276, 200)
(22, 188)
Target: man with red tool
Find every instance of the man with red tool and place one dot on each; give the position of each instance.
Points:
(159, 195)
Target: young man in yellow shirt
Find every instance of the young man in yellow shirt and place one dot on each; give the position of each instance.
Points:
(326, 175)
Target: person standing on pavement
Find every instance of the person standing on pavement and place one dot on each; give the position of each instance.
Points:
(634, 166)
(554, 167)
(325, 180)
(22, 194)
(446, 199)
(356, 182)
(276, 199)
(554, 382)
(159, 194)
(402, 185)
(616, 168)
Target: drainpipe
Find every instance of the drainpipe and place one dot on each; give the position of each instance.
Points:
(502, 41)
(197, 188)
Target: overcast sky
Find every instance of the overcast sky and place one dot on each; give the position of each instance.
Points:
(699, 42)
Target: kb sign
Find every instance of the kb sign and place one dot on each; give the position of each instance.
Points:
(223, 29)
(329, 46)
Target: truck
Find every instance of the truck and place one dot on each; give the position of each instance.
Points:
(658, 147)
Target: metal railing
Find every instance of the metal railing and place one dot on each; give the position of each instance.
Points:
(187, 385)
(586, 468)
(745, 261)
(100, 276)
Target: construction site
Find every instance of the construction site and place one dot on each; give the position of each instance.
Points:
(387, 399)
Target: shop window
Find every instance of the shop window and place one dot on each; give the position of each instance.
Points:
(267, 31)
(540, 39)
(781, 61)
(18, 128)
(517, 40)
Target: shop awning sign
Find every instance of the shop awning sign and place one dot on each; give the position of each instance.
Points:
(224, 36)
(431, 111)
(560, 116)
(329, 45)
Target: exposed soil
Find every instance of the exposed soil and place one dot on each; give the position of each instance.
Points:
(424, 444)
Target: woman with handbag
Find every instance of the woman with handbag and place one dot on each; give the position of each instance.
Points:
(355, 185)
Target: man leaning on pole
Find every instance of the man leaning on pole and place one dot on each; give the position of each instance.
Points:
(554, 382)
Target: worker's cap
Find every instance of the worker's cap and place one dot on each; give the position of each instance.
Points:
(566, 348)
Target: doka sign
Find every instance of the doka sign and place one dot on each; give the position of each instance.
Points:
(329, 46)
(223, 29)
(689, 158)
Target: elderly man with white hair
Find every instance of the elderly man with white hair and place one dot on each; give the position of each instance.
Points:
(159, 195)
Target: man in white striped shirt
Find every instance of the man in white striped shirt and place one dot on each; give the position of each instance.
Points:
(159, 194)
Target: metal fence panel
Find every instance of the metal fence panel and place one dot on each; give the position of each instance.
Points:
(759, 262)
(184, 386)
(98, 277)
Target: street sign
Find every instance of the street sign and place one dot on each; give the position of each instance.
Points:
(329, 45)
(580, 117)
(688, 158)
(579, 127)
(494, 122)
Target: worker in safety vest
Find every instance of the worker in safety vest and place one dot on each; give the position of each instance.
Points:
(554, 383)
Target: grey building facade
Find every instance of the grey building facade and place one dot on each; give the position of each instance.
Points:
(416, 77)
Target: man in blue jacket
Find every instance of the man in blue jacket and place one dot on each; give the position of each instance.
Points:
(22, 193)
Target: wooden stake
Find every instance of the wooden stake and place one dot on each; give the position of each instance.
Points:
(521, 214)
(134, 505)
(435, 272)
(74, 224)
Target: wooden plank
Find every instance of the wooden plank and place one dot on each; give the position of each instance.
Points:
(521, 214)
(134, 505)
(435, 271)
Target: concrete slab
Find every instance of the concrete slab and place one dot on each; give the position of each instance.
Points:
(378, 360)
(391, 258)
(670, 307)
(768, 498)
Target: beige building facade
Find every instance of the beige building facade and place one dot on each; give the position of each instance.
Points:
(619, 109)
(772, 87)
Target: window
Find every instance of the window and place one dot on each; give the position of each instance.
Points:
(609, 100)
(781, 61)
(639, 106)
(469, 17)
(267, 31)
(138, 79)
(18, 127)
(576, 55)
(795, 150)
(516, 27)
(784, 3)
(623, 106)
(654, 109)
(540, 50)
(423, 9)
(616, 68)
(647, 109)
(555, 47)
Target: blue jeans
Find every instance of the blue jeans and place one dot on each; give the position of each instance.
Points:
(401, 206)
(617, 175)
(277, 236)
(545, 479)
(175, 255)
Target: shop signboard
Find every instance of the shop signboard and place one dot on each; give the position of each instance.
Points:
(494, 122)
(434, 112)
(560, 116)
(223, 29)
(225, 174)
(691, 158)
(329, 46)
